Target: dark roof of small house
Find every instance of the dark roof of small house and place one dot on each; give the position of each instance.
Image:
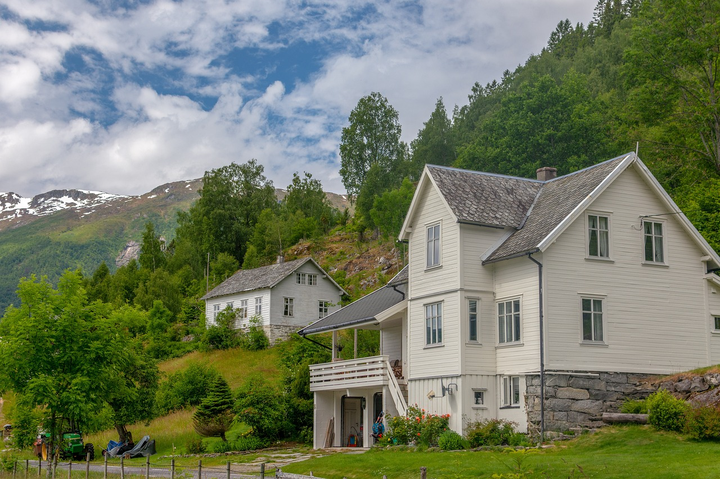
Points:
(365, 309)
(555, 201)
(259, 278)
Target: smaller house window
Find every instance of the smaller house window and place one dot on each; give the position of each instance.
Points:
(473, 319)
(592, 319)
(511, 391)
(509, 321)
(312, 280)
(288, 307)
(306, 278)
(229, 304)
(654, 243)
(598, 236)
(300, 278)
(716, 320)
(216, 310)
(433, 323)
(323, 307)
(243, 310)
(478, 398)
(258, 306)
(433, 245)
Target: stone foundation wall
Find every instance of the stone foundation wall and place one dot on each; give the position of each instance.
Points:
(577, 400)
(276, 332)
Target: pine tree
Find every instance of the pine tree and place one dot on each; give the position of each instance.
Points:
(214, 415)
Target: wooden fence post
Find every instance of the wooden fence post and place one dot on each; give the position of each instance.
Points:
(14, 468)
(70, 469)
(87, 466)
(105, 468)
(172, 468)
(200, 469)
(122, 467)
(262, 470)
(147, 467)
(39, 466)
(27, 466)
(228, 470)
(423, 472)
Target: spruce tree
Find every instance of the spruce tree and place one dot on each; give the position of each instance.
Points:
(214, 415)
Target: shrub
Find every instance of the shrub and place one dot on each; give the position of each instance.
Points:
(452, 441)
(214, 415)
(185, 388)
(222, 335)
(634, 406)
(417, 427)
(195, 446)
(249, 443)
(254, 339)
(491, 432)
(665, 411)
(703, 422)
(262, 407)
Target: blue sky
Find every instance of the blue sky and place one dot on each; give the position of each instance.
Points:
(122, 96)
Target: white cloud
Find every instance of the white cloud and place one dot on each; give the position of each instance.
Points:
(52, 133)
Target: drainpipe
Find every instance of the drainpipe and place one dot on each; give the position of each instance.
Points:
(542, 347)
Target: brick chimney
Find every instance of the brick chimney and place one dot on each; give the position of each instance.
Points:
(546, 173)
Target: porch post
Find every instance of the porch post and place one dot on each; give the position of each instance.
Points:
(334, 345)
(355, 346)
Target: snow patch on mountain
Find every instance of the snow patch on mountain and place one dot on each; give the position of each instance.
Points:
(13, 206)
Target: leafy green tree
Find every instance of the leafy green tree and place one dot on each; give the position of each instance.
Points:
(389, 209)
(434, 143)
(262, 407)
(214, 415)
(307, 195)
(59, 352)
(162, 286)
(152, 254)
(371, 138)
(673, 63)
(124, 283)
(222, 267)
(252, 258)
(100, 284)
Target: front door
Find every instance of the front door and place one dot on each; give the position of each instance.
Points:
(352, 422)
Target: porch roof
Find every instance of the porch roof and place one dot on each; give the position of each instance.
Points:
(364, 310)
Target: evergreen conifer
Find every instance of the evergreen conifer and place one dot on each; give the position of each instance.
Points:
(214, 415)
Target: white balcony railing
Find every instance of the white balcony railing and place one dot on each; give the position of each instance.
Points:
(357, 373)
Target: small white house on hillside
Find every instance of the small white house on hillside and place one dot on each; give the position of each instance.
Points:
(286, 295)
(542, 301)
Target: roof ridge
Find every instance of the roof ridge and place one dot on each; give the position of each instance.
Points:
(623, 156)
(484, 173)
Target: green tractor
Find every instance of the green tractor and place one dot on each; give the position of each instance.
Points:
(72, 445)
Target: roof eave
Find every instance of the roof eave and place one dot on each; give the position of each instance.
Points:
(512, 256)
(336, 327)
(426, 176)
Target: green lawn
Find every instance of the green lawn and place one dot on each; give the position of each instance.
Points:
(616, 452)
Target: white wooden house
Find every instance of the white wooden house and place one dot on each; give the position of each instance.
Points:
(285, 295)
(584, 283)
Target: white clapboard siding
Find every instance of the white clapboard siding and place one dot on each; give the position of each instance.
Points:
(475, 241)
(480, 357)
(713, 293)
(434, 360)
(655, 316)
(518, 278)
(235, 299)
(305, 298)
(391, 343)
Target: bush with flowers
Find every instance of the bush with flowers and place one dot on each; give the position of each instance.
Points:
(417, 427)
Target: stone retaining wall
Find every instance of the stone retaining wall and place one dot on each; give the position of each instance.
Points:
(275, 332)
(577, 400)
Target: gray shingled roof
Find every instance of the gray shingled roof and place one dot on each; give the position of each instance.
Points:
(555, 201)
(257, 278)
(485, 198)
(365, 309)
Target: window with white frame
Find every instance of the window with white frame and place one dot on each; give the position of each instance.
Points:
(473, 320)
(258, 306)
(433, 246)
(511, 391)
(216, 310)
(300, 278)
(592, 319)
(508, 321)
(598, 236)
(478, 397)
(288, 306)
(229, 304)
(312, 279)
(309, 279)
(323, 307)
(243, 309)
(654, 242)
(716, 322)
(433, 324)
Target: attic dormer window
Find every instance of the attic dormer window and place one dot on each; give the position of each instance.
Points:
(433, 245)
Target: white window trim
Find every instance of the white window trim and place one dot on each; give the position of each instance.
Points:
(603, 298)
(505, 401)
(216, 310)
(320, 307)
(664, 263)
(714, 318)
(442, 325)
(608, 215)
(243, 309)
(497, 326)
(258, 305)
(288, 307)
(439, 259)
(477, 340)
(484, 396)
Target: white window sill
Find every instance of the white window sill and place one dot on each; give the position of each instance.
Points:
(478, 343)
(515, 406)
(715, 332)
(433, 267)
(599, 259)
(510, 345)
(433, 346)
(479, 407)
(656, 265)
(596, 344)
